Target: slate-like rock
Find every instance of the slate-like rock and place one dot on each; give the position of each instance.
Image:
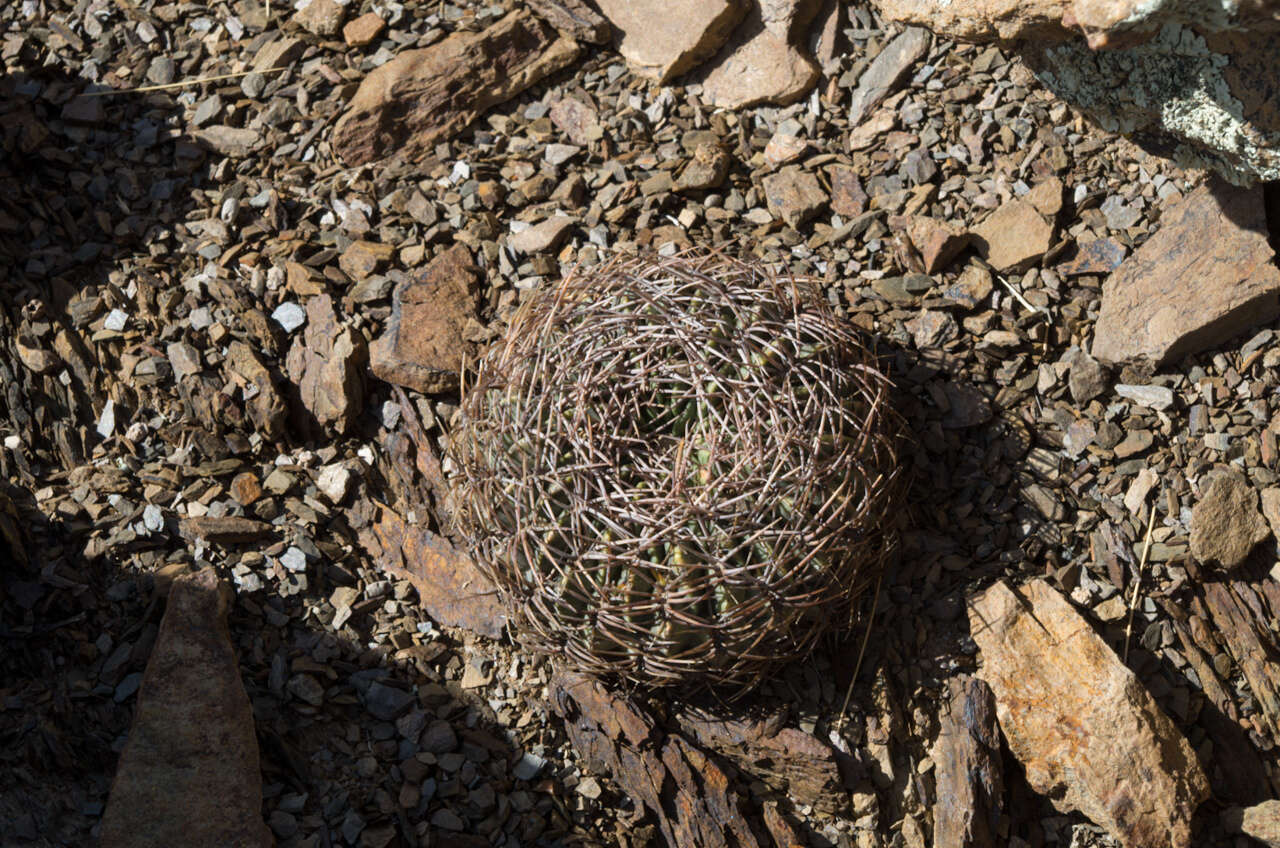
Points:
(543, 236)
(1014, 236)
(763, 61)
(970, 774)
(1088, 734)
(938, 242)
(423, 346)
(327, 364)
(1206, 275)
(575, 18)
(424, 96)
(189, 774)
(1226, 524)
(794, 195)
(887, 71)
(661, 39)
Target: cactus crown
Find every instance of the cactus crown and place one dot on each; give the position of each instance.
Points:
(678, 470)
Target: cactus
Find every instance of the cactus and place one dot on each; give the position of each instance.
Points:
(678, 470)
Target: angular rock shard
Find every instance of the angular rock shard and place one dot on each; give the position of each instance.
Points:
(1226, 524)
(424, 346)
(661, 40)
(424, 96)
(669, 777)
(574, 18)
(762, 62)
(887, 71)
(189, 774)
(327, 365)
(1089, 735)
(970, 775)
(1207, 274)
(451, 588)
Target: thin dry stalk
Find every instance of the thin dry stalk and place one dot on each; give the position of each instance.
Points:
(678, 468)
(1137, 583)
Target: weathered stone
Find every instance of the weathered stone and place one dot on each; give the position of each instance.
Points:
(970, 776)
(1090, 737)
(793, 194)
(1014, 236)
(363, 258)
(363, 30)
(661, 40)
(937, 241)
(224, 529)
(424, 344)
(1087, 379)
(574, 18)
(932, 328)
(1261, 821)
(1100, 256)
(762, 62)
(887, 71)
(790, 761)
(1243, 625)
(1155, 397)
(542, 237)
(1226, 524)
(189, 773)
(266, 408)
(321, 17)
(673, 780)
(1205, 275)
(971, 288)
(235, 142)
(327, 364)
(451, 587)
(706, 170)
(848, 198)
(424, 96)
(576, 119)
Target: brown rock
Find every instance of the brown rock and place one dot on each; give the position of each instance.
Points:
(301, 280)
(1243, 625)
(662, 39)
(706, 170)
(1014, 236)
(327, 364)
(1271, 508)
(848, 198)
(362, 258)
(224, 529)
(189, 773)
(672, 779)
(424, 345)
(245, 488)
(793, 195)
(788, 760)
(1100, 256)
(824, 38)
(451, 588)
(278, 53)
(937, 241)
(1207, 274)
(1089, 735)
(542, 237)
(780, 830)
(1226, 524)
(1088, 378)
(266, 408)
(761, 63)
(1261, 821)
(321, 17)
(363, 30)
(236, 142)
(424, 96)
(970, 776)
(887, 72)
(574, 18)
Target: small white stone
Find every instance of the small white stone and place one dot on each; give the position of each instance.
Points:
(1155, 397)
(334, 481)
(116, 319)
(294, 559)
(107, 420)
(528, 767)
(13, 442)
(290, 316)
(153, 518)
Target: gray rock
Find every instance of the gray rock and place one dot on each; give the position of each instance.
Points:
(886, 72)
(387, 702)
(1155, 397)
(438, 738)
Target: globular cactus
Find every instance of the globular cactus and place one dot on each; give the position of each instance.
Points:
(678, 470)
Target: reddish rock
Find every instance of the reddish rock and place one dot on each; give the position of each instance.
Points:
(762, 62)
(1014, 236)
(1206, 275)
(577, 120)
(1100, 256)
(848, 198)
(363, 30)
(1089, 736)
(424, 345)
(970, 776)
(661, 39)
(327, 364)
(189, 774)
(450, 586)
(266, 408)
(937, 241)
(793, 194)
(362, 258)
(424, 96)
(225, 529)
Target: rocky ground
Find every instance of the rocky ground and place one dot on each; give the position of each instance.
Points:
(194, 281)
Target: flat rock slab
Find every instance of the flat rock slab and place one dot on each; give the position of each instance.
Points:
(189, 774)
(327, 364)
(887, 72)
(1226, 524)
(1014, 236)
(424, 344)
(1089, 735)
(761, 63)
(661, 39)
(424, 96)
(1206, 275)
(1261, 821)
(970, 777)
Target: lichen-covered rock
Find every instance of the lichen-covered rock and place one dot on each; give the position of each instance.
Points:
(1203, 100)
